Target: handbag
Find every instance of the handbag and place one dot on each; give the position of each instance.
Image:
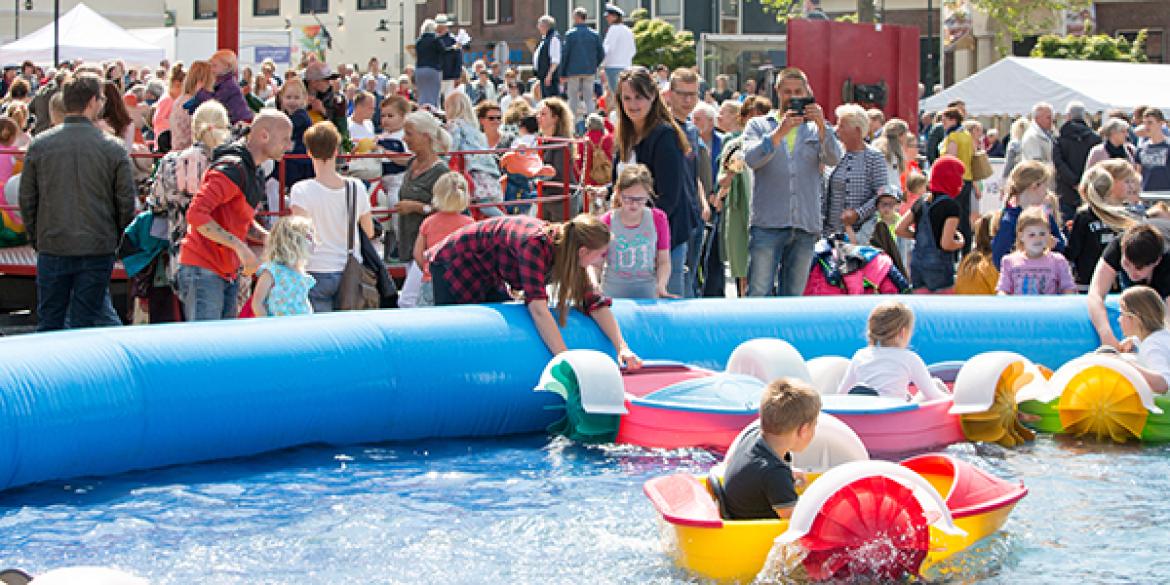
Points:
(980, 166)
(358, 289)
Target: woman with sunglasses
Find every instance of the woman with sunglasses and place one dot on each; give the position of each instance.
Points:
(491, 119)
(648, 134)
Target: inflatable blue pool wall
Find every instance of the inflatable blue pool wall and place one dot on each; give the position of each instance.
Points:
(104, 401)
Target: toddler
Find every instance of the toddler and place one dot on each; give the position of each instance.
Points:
(282, 281)
(977, 274)
(760, 483)
(394, 111)
(450, 202)
(291, 100)
(1034, 269)
(886, 367)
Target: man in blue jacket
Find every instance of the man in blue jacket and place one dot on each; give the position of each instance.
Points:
(583, 54)
(452, 55)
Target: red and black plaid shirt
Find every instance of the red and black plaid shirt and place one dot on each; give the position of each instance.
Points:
(513, 250)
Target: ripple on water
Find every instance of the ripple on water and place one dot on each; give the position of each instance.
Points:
(530, 509)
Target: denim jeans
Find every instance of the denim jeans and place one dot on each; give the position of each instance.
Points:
(323, 295)
(612, 74)
(109, 317)
(678, 260)
(80, 283)
(206, 295)
(694, 260)
(783, 252)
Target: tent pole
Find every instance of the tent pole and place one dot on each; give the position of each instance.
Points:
(56, 33)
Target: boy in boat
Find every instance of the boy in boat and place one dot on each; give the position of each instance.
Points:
(759, 483)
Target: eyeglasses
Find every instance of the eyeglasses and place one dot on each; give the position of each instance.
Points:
(492, 118)
(635, 199)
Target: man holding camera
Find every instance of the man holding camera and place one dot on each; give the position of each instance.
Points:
(787, 150)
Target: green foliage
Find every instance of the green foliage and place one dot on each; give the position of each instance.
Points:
(1023, 17)
(1092, 48)
(787, 9)
(658, 42)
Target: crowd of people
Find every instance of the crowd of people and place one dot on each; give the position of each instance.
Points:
(667, 187)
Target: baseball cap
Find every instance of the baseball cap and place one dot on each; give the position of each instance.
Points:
(317, 71)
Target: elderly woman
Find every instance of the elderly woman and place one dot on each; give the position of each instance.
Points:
(1115, 144)
(428, 73)
(426, 139)
(856, 181)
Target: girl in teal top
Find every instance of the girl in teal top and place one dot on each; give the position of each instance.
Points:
(282, 283)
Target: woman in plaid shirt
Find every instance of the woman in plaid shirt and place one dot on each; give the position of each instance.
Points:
(480, 262)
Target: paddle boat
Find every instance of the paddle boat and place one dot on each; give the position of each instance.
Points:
(855, 519)
(1099, 396)
(672, 405)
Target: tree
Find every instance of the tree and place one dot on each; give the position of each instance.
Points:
(658, 43)
(787, 9)
(1092, 48)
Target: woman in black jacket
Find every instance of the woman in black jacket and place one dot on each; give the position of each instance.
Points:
(428, 70)
(648, 134)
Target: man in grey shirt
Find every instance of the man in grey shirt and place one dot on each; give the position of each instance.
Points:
(76, 197)
(786, 150)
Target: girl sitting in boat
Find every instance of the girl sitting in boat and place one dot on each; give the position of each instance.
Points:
(1142, 318)
(886, 367)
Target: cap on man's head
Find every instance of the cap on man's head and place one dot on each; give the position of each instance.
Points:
(611, 9)
(317, 71)
(442, 20)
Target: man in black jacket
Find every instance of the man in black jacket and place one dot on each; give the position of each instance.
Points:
(548, 58)
(452, 56)
(76, 196)
(1069, 156)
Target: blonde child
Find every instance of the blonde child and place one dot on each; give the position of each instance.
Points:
(291, 99)
(1034, 269)
(977, 274)
(886, 367)
(759, 483)
(282, 281)
(1142, 316)
(450, 202)
(637, 264)
(1027, 188)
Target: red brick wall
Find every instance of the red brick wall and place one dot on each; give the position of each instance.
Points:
(516, 33)
(1115, 16)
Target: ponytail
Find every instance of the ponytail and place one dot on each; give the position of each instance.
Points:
(1095, 188)
(569, 276)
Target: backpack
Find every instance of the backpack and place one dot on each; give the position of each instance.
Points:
(600, 167)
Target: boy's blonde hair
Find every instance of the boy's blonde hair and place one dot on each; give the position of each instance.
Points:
(886, 322)
(450, 193)
(915, 182)
(290, 242)
(1030, 217)
(787, 405)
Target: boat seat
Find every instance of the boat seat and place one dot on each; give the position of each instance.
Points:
(715, 482)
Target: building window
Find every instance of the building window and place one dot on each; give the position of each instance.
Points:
(371, 4)
(1154, 43)
(505, 11)
(491, 11)
(590, 10)
(265, 7)
(462, 11)
(205, 9)
(627, 6)
(670, 11)
(729, 16)
(314, 6)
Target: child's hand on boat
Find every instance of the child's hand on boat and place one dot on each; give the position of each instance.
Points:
(628, 359)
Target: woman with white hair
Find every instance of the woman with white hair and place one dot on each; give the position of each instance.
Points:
(1012, 156)
(466, 135)
(426, 139)
(428, 72)
(1114, 134)
(856, 181)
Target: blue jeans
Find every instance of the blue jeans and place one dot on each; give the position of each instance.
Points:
(323, 295)
(678, 260)
(110, 316)
(611, 78)
(206, 295)
(783, 252)
(694, 261)
(76, 284)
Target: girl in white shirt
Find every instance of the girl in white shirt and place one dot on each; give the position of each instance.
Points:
(885, 367)
(1143, 321)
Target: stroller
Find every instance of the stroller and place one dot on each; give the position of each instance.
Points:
(841, 268)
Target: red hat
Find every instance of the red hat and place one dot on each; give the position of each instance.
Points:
(946, 175)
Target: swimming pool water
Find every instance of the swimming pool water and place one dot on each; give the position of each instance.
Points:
(528, 509)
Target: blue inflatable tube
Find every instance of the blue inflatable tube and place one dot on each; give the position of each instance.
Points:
(103, 401)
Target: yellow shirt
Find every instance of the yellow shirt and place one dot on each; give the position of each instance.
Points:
(790, 138)
(980, 281)
(966, 149)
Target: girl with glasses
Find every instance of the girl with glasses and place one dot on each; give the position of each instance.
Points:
(637, 265)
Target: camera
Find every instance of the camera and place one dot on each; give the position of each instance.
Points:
(798, 104)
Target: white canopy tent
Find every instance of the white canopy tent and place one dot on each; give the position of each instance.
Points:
(1013, 85)
(86, 35)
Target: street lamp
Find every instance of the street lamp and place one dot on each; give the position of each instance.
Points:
(16, 14)
(383, 26)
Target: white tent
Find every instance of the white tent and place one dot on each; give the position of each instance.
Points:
(86, 35)
(1013, 85)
